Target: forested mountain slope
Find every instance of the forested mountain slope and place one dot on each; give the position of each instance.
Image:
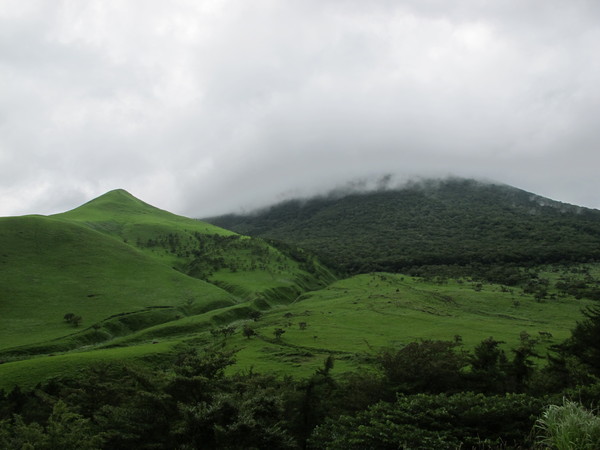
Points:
(454, 221)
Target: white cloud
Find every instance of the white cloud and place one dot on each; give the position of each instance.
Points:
(205, 107)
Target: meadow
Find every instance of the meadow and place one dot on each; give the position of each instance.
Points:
(352, 319)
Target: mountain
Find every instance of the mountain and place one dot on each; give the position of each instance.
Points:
(126, 326)
(147, 283)
(122, 266)
(435, 222)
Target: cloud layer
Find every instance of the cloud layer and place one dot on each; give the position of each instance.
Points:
(214, 106)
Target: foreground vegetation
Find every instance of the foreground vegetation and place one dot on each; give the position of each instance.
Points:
(427, 394)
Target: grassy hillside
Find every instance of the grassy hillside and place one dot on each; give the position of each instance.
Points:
(358, 316)
(123, 266)
(432, 223)
(351, 319)
(52, 267)
(242, 265)
(162, 302)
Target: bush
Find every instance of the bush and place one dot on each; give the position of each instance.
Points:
(568, 427)
(423, 421)
(426, 366)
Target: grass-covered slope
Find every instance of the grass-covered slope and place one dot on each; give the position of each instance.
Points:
(145, 281)
(52, 267)
(123, 266)
(356, 317)
(430, 223)
(242, 265)
(352, 319)
(121, 214)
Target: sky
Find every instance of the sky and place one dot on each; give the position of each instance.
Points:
(209, 107)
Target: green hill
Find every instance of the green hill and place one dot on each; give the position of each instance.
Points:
(122, 266)
(52, 267)
(241, 265)
(121, 214)
(451, 222)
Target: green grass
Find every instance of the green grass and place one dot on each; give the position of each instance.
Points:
(50, 268)
(352, 319)
(362, 314)
(568, 427)
(28, 373)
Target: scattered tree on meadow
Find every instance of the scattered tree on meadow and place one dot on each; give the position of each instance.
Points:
(248, 331)
(255, 315)
(278, 332)
(73, 319)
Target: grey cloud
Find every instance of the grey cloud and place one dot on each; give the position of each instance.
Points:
(208, 107)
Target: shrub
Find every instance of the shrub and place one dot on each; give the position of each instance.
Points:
(568, 427)
(441, 421)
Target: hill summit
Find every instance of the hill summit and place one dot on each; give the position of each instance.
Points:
(434, 222)
(115, 203)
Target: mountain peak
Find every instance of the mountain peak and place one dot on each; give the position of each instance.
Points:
(112, 204)
(116, 195)
(118, 191)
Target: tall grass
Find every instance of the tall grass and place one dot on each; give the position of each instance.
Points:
(568, 427)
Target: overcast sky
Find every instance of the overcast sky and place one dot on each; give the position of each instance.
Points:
(207, 107)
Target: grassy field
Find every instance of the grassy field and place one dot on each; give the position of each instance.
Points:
(360, 315)
(27, 373)
(351, 319)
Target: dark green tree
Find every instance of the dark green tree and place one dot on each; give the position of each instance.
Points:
(488, 367)
(278, 332)
(65, 430)
(248, 331)
(426, 366)
(68, 316)
(425, 421)
(584, 342)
